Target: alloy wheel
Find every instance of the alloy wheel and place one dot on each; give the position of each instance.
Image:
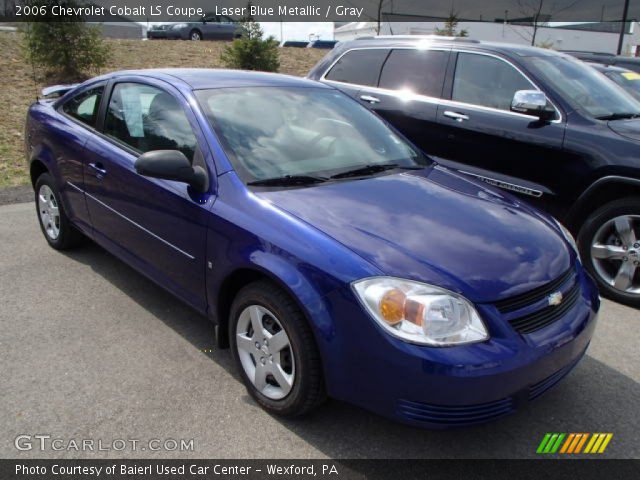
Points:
(615, 253)
(265, 352)
(49, 212)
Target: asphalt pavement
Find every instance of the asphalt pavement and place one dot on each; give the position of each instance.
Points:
(92, 350)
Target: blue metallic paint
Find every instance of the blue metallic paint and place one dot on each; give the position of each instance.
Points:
(433, 226)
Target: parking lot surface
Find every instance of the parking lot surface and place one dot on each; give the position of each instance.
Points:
(90, 349)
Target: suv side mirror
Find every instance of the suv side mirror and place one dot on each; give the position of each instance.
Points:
(171, 165)
(532, 102)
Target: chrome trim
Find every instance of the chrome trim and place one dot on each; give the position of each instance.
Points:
(132, 222)
(434, 100)
(513, 187)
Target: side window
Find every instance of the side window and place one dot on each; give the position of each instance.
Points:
(421, 71)
(360, 67)
(486, 81)
(147, 118)
(84, 107)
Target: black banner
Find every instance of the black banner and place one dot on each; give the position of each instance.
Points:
(320, 469)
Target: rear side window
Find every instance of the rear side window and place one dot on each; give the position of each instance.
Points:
(421, 71)
(486, 81)
(147, 118)
(360, 67)
(84, 107)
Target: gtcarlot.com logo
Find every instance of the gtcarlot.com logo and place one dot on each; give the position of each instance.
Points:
(574, 443)
(43, 442)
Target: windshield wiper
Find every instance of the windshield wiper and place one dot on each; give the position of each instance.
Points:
(618, 116)
(373, 168)
(287, 181)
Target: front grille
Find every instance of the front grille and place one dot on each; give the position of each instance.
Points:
(515, 303)
(540, 319)
(456, 415)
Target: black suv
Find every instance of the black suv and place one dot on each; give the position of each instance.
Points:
(532, 121)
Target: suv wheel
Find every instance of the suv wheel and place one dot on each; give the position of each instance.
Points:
(195, 36)
(609, 243)
(55, 225)
(275, 350)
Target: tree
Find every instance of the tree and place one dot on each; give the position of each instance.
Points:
(540, 12)
(251, 51)
(68, 51)
(450, 28)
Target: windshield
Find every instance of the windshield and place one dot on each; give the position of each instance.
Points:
(628, 80)
(583, 87)
(275, 132)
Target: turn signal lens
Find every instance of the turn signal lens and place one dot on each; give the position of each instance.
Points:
(392, 306)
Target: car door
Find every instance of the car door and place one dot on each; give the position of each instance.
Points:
(408, 93)
(80, 114)
(157, 225)
(485, 138)
(211, 28)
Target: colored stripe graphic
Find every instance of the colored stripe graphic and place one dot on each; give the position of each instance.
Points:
(573, 443)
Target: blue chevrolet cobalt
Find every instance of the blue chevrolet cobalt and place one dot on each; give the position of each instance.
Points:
(332, 256)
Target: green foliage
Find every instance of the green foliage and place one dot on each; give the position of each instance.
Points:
(450, 28)
(67, 51)
(251, 51)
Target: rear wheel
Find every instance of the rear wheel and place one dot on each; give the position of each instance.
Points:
(54, 223)
(275, 350)
(609, 243)
(195, 35)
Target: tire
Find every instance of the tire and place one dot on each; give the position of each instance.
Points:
(195, 35)
(54, 223)
(609, 244)
(299, 360)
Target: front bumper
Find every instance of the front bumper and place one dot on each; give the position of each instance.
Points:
(453, 386)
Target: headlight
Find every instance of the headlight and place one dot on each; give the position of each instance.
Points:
(420, 313)
(178, 26)
(567, 236)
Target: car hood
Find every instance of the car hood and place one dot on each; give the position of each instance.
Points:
(626, 128)
(437, 227)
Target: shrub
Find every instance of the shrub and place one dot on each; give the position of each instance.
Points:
(67, 51)
(251, 51)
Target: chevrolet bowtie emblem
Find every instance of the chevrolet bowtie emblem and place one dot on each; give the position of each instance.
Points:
(555, 298)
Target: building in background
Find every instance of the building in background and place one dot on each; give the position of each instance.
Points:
(591, 37)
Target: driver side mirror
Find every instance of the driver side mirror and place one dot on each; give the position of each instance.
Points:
(532, 102)
(172, 165)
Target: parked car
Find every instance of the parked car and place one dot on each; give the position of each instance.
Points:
(326, 44)
(158, 31)
(532, 121)
(295, 43)
(332, 255)
(627, 79)
(208, 27)
(630, 63)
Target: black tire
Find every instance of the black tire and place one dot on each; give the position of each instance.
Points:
(195, 35)
(308, 390)
(587, 235)
(68, 236)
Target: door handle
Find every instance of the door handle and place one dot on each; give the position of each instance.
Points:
(458, 117)
(98, 168)
(369, 99)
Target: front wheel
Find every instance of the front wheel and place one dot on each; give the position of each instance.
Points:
(54, 223)
(195, 36)
(275, 350)
(609, 243)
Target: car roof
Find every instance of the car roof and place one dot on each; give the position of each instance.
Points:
(453, 42)
(601, 67)
(206, 78)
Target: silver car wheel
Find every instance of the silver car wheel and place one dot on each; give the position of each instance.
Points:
(265, 352)
(49, 212)
(615, 252)
(195, 36)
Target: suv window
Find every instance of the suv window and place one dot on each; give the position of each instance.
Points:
(421, 71)
(486, 81)
(84, 107)
(360, 67)
(147, 118)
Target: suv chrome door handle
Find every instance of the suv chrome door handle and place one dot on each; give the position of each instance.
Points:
(369, 98)
(458, 117)
(98, 168)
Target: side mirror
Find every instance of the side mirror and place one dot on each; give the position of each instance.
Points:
(532, 102)
(172, 165)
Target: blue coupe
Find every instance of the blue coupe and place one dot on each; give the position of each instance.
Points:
(333, 257)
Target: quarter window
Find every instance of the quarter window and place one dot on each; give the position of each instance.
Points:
(147, 118)
(360, 67)
(486, 81)
(84, 107)
(420, 71)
